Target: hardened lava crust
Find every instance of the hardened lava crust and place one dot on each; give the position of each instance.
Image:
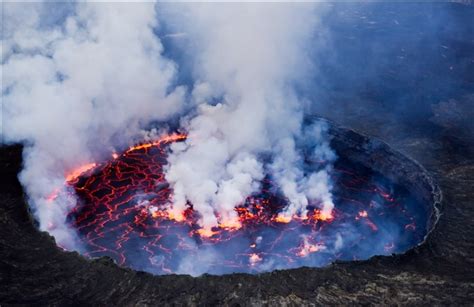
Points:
(33, 270)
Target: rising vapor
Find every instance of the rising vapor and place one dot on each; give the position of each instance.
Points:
(77, 89)
(74, 91)
(247, 58)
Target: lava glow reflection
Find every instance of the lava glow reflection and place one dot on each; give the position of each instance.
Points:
(122, 212)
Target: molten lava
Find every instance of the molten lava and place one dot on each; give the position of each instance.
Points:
(123, 211)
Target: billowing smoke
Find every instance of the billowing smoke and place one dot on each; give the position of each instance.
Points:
(75, 88)
(246, 60)
(79, 85)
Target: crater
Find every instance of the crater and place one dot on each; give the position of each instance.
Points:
(385, 203)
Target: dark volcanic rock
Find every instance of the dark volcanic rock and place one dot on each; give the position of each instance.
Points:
(456, 116)
(33, 270)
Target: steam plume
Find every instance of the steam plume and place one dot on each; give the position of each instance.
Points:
(74, 89)
(248, 58)
(87, 82)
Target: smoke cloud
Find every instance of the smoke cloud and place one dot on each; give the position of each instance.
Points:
(76, 88)
(86, 81)
(246, 60)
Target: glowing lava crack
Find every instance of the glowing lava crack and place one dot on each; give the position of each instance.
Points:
(122, 213)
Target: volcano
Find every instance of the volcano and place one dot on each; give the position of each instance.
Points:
(81, 79)
(123, 212)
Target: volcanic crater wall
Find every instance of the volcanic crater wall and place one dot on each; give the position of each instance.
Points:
(378, 156)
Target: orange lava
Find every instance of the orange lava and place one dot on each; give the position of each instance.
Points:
(165, 139)
(282, 219)
(74, 174)
(206, 233)
(254, 259)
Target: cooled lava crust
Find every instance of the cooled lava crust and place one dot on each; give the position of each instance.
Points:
(35, 270)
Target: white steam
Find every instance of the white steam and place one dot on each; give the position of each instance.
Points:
(80, 86)
(247, 57)
(73, 90)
